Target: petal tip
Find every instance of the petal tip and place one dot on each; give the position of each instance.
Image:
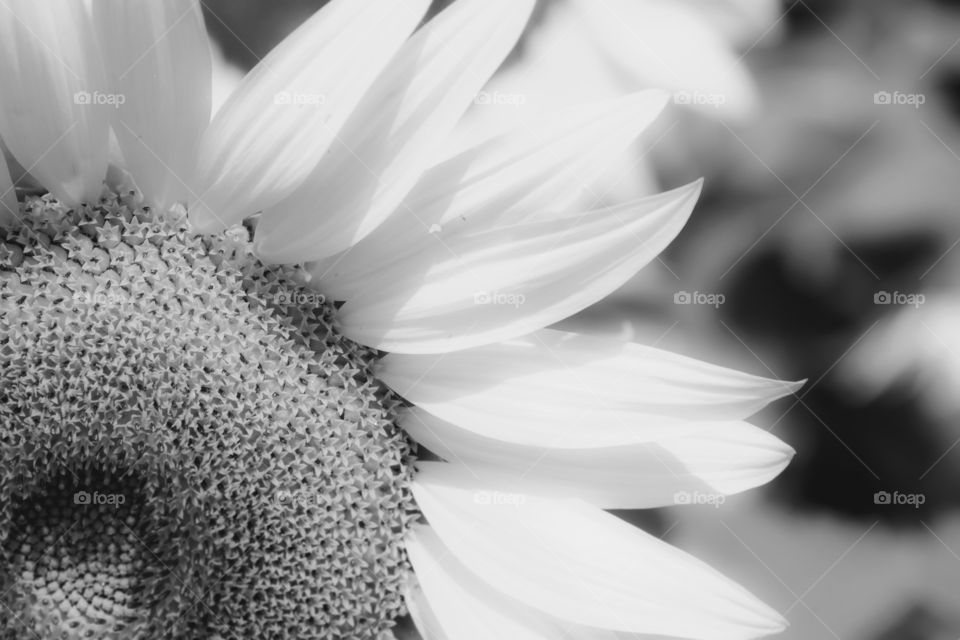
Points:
(784, 388)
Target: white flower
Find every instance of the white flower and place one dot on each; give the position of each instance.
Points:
(454, 266)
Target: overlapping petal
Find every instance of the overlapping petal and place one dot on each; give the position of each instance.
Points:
(579, 564)
(560, 389)
(479, 288)
(395, 133)
(669, 45)
(272, 132)
(55, 107)
(9, 207)
(689, 459)
(465, 608)
(505, 180)
(422, 613)
(158, 63)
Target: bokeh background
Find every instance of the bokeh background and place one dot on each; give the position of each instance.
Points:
(826, 246)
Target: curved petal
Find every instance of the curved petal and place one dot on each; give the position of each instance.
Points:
(577, 563)
(272, 132)
(9, 207)
(742, 23)
(55, 104)
(554, 388)
(479, 288)
(157, 57)
(693, 463)
(669, 45)
(396, 132)
(504, 180)
(466, 608)
(422, 613)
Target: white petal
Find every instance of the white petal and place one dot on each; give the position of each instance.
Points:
(743, 23)
(554, 388)
(694, 459)
(396, 133)
(282, 119)
(669, 45)
(9, 207)
(527, 171)
(158, 59)
(580, 564)
(422, 613)
(479, 288)
(52, 75)
(466, 608)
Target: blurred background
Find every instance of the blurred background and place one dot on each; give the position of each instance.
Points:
(826, 246)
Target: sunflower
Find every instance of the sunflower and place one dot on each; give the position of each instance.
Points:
(349, 407)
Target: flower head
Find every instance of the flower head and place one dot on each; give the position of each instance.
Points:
(203, 434)
(188, 444)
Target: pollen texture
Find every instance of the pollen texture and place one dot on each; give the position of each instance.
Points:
(188, 449)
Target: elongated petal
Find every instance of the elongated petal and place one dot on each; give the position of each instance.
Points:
(396, 132)
(422, 614)
(554, 388)
(281, 121)
(580, 564)
(158, 59)
(502, 181)
(669, 45)
(480, 288)
(54, 109)
(692, 463)
(9, 207)
(466, 608)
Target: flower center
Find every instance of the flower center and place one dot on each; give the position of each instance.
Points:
(78, 557)
(265, 486)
